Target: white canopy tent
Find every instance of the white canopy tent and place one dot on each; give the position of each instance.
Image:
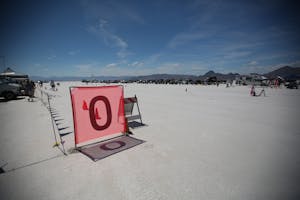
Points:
(11, 74)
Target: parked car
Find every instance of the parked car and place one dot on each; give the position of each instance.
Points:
(10, 90)
(292, 85)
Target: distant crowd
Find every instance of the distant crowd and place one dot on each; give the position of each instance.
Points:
(273, 83)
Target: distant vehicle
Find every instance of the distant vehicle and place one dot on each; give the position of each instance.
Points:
(291, 85)
(10, 90)
(211, 80)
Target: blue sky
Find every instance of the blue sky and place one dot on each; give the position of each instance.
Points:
(88, 37)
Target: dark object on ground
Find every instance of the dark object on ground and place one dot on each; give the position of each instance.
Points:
(211, 80)
(106, 148)
(135, 124)
(292, 85)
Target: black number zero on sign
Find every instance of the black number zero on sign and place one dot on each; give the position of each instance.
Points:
(92, 113)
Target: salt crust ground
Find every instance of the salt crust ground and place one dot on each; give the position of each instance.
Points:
(207, 143)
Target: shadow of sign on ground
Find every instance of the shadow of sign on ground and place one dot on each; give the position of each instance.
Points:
(135, 124)
(104, 149)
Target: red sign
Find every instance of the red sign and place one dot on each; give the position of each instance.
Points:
(97, 112)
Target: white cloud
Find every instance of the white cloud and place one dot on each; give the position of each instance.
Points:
(253, 62)
(51, 57)
(184, 38)
(123, 53)
(236, 54)
(241, 46)
(111, 10)
(85, 69)
(153, 58)
(37, 68)
(111, 65)
(74, 52)
(181, 68)
(102, 23)
(112, 40)
(137, 64)
(126, 11)
(172, 68)
(45, 69)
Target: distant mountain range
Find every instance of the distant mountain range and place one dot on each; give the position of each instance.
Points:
(220, 76)
(164, 77)
(286, 72)
(290, 73)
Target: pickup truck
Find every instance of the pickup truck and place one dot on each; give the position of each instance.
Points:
(291, 85)
(10, 90)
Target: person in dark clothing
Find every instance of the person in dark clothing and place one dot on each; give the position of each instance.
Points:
(29, 88)
(252, 91)
(52, 84)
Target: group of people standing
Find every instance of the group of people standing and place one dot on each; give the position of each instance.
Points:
(29, 87)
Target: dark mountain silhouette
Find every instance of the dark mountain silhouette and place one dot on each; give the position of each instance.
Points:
(219, 76)
(286, 72)
(164, 77)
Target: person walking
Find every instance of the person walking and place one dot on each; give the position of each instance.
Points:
(252, 91)
(52, 84)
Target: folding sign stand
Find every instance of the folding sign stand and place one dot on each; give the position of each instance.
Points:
(98, 112)
(128, 105)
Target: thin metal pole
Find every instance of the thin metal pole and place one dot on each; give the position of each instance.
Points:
(138, 108)
(73, 112)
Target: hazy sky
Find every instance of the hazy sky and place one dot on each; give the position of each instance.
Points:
(90, 37)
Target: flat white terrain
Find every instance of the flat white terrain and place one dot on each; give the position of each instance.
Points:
(207, 142)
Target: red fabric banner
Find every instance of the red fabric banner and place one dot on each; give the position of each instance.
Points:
(97, 112)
